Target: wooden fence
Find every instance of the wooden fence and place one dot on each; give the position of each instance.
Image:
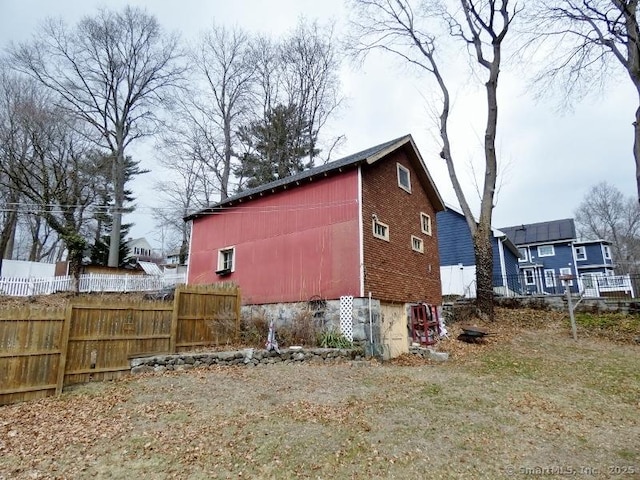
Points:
(44, 350)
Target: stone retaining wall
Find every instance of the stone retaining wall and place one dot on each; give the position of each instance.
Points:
(249, 357)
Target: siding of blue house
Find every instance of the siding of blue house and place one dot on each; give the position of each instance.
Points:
(454, 240)
(455, 247)
(595, 261)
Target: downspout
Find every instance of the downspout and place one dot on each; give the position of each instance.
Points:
(371, 325)
(361, 234)
(186, 280)
(503, 267)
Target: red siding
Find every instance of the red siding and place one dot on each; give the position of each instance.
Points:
(289, 246)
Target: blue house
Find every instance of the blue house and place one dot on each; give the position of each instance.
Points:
(457, 259)
(546, 252)
(550, 251)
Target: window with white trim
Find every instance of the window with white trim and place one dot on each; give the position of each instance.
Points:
(581, 253)
(380, 230)
(529, 278)
(404, 178)
(417, 245)
(549, 277)
(607, 252)
(546, 251)
(566, 271)
(226, 260)
(425, 223)
(524, 254)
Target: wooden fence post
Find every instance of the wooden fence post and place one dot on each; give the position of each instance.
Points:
(64, 344)
(174, 321)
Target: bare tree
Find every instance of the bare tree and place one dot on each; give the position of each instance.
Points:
(397, 27)
(606, 214)
(189, 188)
(111, 71)
(583, 42)
(223, 60)
(310, 67)
(53, 171)
(11, 145)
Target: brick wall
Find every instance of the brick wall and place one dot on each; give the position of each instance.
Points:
(393, 271)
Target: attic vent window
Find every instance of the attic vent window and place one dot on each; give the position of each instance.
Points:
(226, 261)
(380, 230)
(417, 245)
(404, 178)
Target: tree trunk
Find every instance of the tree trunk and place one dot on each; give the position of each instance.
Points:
(636, 149)
(483, 251)
(118, 194)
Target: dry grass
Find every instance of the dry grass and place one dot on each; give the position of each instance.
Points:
(528, 397)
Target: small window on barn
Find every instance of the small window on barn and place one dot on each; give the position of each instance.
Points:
(380, 230)
(417, 245)
(425, 223)
(226, 261)
(404, 178)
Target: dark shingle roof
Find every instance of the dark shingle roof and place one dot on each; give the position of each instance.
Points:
(351, 160)
(543, 232)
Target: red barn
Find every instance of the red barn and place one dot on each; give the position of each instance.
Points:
(362, 224)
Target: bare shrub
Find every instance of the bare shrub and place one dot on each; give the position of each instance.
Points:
(254, 329)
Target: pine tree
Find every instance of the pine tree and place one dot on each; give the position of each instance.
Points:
(275, 147)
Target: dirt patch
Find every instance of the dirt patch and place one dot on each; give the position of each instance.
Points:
(525, 400)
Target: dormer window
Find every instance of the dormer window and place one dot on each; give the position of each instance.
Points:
(404, 178)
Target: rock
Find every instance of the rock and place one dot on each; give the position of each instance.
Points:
(438, 356)
(136, 362)
(226, 356)
(159, 368)
(298, 356)
(141, 369)
(190, 360)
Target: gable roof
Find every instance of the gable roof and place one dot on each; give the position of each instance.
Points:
(542, 232)
(368, 156)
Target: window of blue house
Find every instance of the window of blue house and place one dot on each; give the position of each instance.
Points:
(524, 254)
(529, 278)
(549, 277)
(566, 271)
(606, 250)
(546, 251)
(581, 253)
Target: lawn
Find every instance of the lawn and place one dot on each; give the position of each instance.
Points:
(530, 401)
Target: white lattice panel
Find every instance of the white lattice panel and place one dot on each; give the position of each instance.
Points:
(346, 317)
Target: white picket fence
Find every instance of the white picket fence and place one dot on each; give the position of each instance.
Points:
(90, 282)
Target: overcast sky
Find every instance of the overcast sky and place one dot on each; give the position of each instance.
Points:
(548, 159)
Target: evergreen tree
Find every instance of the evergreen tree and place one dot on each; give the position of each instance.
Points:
(101, 245)
(275, 147)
